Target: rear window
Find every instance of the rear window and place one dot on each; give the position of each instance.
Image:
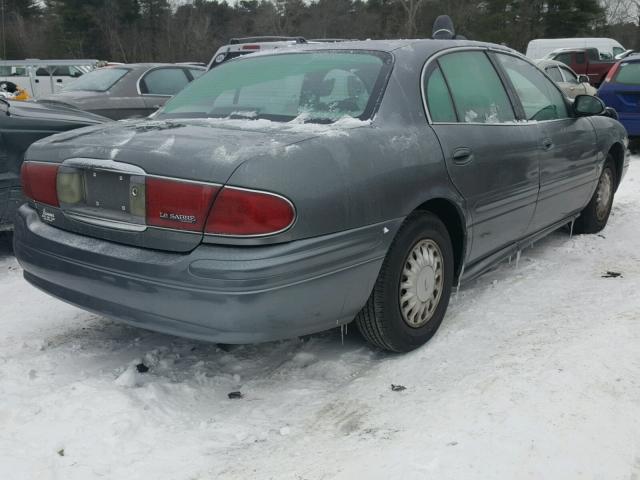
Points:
(317, 87)
(99, 80)
(628, 73)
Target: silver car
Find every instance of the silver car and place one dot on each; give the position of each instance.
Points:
(126, 91)
(569, 81)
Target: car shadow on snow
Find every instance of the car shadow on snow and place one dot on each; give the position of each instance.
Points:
(6, 244)
(101, 346)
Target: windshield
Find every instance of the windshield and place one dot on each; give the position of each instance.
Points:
(319, 87)
(97, 81)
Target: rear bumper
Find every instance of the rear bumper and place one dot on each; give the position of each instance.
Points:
(215, 293)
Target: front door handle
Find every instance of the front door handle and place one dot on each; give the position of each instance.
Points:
(547, 144)
(462, 156)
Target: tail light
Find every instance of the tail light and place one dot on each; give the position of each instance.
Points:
(612, 73)
(251, 47)
(178, 205)
(166, 203)
(241, 212)
(39, 182)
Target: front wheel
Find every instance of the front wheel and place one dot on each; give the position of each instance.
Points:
(595, 215)
(411, 294)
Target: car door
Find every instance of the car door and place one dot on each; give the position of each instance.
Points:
(44, 83)
(566, 145)
(160, 84)
(490, 157)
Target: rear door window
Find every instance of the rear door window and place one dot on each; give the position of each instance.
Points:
(164, 81)
(540, 98)
(628, 73)
(438, 99)
(478, 94)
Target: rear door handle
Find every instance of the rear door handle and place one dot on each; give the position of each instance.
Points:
(547, 144)
(462, 156)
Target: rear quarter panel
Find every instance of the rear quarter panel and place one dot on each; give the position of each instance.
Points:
(611, 134)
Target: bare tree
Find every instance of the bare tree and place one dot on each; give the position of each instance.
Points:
(411, 8)
(622, 11)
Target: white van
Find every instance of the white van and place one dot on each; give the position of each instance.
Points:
(243, 46)
(607, 47)
(43, 77)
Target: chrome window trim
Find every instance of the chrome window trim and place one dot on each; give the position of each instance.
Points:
(441, 53)
(563, 69)
(105, 222)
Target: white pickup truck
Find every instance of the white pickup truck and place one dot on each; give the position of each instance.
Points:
(43, 77)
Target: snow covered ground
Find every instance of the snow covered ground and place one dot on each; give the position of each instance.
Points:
(535, 373)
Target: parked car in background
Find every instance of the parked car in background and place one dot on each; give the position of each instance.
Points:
(569, 81)
(43, 77)
(291, 192)
(584, 62)
(21, 124)
(621, 91)
(541, 47)
(238, 47)
(126, 91)
(624, 54)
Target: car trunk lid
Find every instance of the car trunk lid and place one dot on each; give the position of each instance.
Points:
(108, 178)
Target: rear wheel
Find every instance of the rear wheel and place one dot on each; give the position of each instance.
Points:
(595, 215)
(411, 294)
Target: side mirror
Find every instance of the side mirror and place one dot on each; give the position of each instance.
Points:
(586, 106)
(583, 78)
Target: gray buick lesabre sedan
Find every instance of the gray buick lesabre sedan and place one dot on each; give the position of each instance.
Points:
(287, 193)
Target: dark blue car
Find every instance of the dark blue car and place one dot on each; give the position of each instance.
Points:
(621, 90)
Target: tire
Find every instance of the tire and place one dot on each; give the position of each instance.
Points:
(595, 215)
(386, 322)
